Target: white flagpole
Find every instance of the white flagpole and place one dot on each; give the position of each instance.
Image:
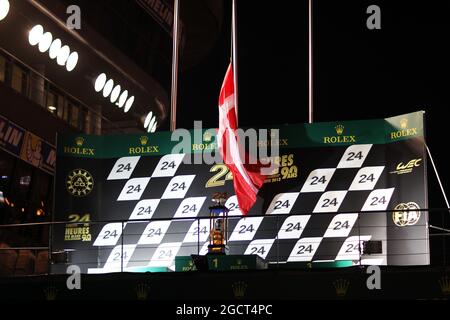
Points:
(234, 58)
(175, 47)
(311, 79)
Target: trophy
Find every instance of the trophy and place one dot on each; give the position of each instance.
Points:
(218, 215)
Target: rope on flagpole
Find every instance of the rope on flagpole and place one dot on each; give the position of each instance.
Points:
(234, 58)
(310, 67)
(175, 47)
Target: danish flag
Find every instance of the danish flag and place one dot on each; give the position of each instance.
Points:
(247, 178)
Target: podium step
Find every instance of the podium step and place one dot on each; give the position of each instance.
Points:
(219, 263)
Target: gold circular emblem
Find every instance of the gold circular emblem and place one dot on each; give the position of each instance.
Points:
(79, 183)
(408, 214)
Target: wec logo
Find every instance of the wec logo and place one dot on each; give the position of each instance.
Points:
(410, 165)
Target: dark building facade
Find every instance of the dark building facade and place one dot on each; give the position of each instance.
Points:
(128, 41)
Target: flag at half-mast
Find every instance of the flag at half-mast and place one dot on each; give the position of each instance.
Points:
(247, 177)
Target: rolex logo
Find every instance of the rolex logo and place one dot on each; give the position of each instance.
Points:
(141, 290)
(207, 136)
(341, 287)
(190, 266)
(444, 283)
(404, 123)
(50, 293)
(143, 140)
(239, 288)
(79, 141)
(339, 138)
(404, 131)
(339, 129)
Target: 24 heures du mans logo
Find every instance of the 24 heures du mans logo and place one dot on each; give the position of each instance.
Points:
(340, 138)
(407, 167)
(79, 150)
(404, 130)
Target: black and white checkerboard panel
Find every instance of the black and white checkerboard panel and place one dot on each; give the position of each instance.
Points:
(299, 238)
(350, 185)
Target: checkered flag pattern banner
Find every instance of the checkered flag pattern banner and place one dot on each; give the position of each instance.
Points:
(322, 205)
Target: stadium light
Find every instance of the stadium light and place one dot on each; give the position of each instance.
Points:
(40, 212)
(4, 9)
(148, 119)
(63, 55)
(128, 104)
(122, 99)
(45, 42)
(72, 61)
(108, 88)
(153, 128)
(100, 82)
(150, 122)
(56, 50)
(114, 92)
(35, 34)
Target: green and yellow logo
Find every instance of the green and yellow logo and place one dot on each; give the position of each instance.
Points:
(206, 144)
(404, 123)
(189, 267)
(239, 265)
(404, 130)
(79, 183)
(144, 148)
(79, 141)
(143, 140)
(339, 138)
(207, 136)
(79, 150)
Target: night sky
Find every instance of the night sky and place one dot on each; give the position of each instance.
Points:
(359, 73)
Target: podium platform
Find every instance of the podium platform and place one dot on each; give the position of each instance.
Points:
(313, 265)
(220, 263)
